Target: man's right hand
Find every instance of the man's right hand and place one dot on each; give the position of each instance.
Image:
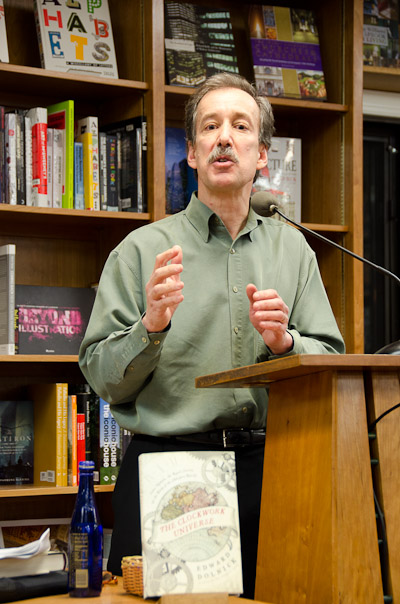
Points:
(164, 290)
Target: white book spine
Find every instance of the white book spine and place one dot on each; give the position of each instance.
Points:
(28, 160)
(58, 165)
(7, 298)
(91, 124)
(4, 58)
(50, 168)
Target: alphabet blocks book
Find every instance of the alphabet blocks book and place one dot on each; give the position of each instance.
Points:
(76, 36)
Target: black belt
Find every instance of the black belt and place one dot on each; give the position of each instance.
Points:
(230, 437)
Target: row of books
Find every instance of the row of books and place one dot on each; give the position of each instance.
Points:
(49, 159)
(381, 31)
(44, 437)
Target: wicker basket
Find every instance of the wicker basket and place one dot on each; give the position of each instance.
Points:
(132, 574)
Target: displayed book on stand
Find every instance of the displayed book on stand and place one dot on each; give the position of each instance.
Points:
(51, 320)
(286, 55)
(198, 43)
(7, 298)
(180, 179)
(16, 442)
(72, 40)
(381, 34)
(189, 518)
(4, 58)
(282, 176)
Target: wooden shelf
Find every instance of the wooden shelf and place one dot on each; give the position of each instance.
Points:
(382, 78)
(34, 491)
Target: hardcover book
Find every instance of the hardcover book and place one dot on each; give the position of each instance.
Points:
(286, 55)
(38, 117)
(198, 43)
(282, 176)
(51, 320)
(381, 34)
(10, 147)
(110, 446)
(91, 124)
(76, 36)
(180, 179)
(16, 442)
(189, 523)
(4, 58)
(7, 298)
(61, 116)
(79, 190)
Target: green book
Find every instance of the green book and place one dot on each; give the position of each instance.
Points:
(61, 116)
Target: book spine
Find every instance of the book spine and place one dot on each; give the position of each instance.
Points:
(7, 298)
(79, 193)
(115, 449)
(105, 436)
(112, 173)
(20, 157)
(80, 438)
(2, 156)
(50, 167)
(86, 140)
(58, 162)
(61, 115)
(64, 426)
(91, 124)
(11, 159)
(38, 117)
(28, 160)
(72, 442)
(59, 436)
(103, 170)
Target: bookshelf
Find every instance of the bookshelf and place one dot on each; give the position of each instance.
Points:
(69, 247)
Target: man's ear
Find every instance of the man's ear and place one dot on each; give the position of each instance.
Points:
(191, 156)
(262, 157)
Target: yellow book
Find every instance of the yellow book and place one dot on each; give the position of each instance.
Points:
(88, 185)
(72, 442)
(49, 448)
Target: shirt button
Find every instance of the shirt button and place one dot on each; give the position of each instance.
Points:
(232, 251)
(144, 340)
(131, 368)
(236, 329)
(244, 409)
(235, 289)
(156, 342)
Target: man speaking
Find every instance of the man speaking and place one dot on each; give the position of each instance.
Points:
(209, 289)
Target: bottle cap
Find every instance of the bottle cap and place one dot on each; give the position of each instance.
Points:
(86, 465)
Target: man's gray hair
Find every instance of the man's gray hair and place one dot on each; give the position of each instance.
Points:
(229, 80)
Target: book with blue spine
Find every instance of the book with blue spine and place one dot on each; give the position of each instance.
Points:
(79, 195)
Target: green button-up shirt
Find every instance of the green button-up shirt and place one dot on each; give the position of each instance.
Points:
(149, 379)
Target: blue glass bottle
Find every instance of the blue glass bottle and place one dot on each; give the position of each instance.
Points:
(85, 543)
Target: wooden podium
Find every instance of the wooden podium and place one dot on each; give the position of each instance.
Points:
(318, 539)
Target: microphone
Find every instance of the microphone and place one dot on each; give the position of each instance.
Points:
(265, 204)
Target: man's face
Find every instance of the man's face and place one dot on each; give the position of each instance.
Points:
(227, 153)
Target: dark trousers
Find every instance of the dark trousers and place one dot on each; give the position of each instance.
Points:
(126, 540)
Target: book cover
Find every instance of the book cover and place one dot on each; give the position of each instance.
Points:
(286, 55)
(10, 158)
(189, 523)
(52, 320)
(81, 440)
(58, 162)
(7, 298)
(20, 156)
(50, 407)
(79, 190)
(4, 58)
(282, 176)
(2, 156)
(91, 124)
(198, 43)
(103, 170)
(180, 179)
(36, 565)
(38, 117)
(76, 37)
(16, 442)
(381, 34)
(61, 116)
(50, 168)
(88, 187)
(28, 159)
(110, 448)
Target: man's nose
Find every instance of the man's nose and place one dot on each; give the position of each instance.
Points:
(224, 137)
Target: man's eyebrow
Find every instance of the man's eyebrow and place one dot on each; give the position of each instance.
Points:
(237, 115)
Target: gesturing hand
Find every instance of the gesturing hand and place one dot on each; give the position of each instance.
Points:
(164, 290)
(270, 316)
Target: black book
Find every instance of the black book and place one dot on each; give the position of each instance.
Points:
(33, 586)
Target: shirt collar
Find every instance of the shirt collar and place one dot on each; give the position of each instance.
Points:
(199, 216)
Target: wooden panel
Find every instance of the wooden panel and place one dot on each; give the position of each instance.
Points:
(385, 393)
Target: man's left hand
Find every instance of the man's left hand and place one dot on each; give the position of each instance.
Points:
(270, 316)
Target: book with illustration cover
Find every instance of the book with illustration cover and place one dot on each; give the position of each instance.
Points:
(381, 34)
(282, 176)
(198, 43)
(76, 37)
(51, 320)
(16, 442)
(189, 523)
(286, 55)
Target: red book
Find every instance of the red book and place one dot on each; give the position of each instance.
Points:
(38, 116)
(81, 440)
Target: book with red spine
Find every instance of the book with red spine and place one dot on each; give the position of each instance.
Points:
(38, 116)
